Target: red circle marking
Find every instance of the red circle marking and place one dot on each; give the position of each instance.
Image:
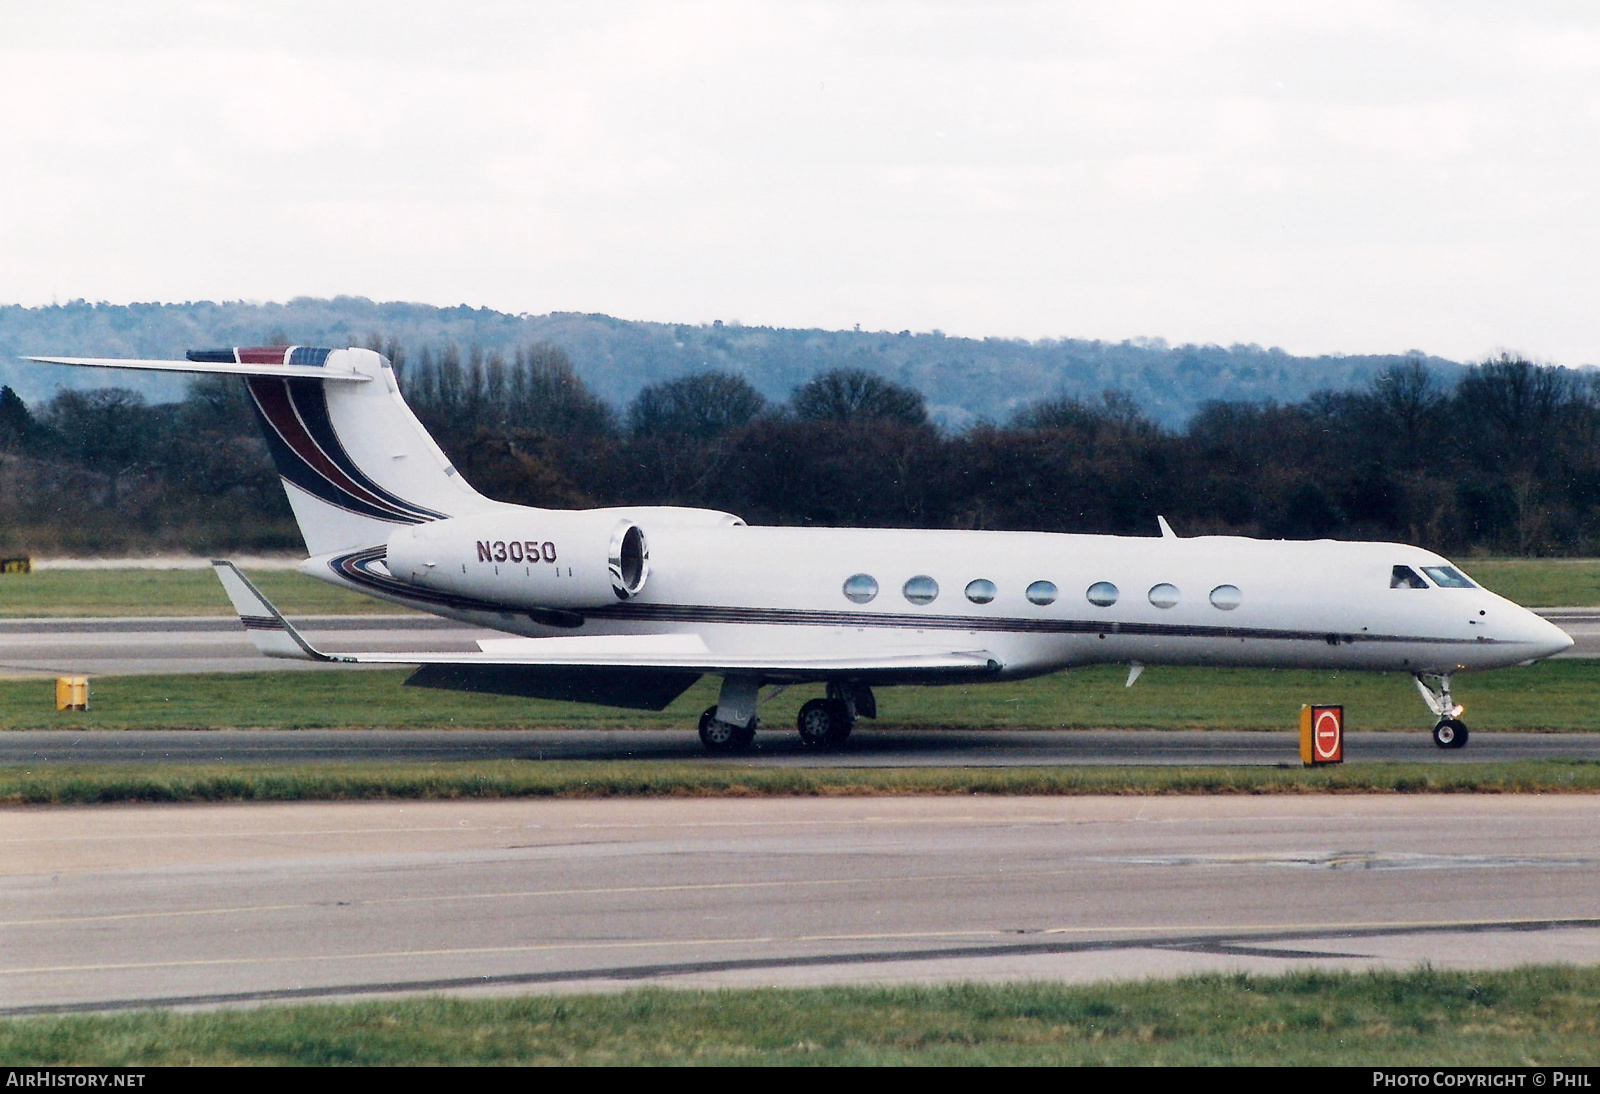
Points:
(1327, 734)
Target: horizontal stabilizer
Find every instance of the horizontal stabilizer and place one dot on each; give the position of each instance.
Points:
(225, 368)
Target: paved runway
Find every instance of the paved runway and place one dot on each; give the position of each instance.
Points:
(776, 747)
(139, 646)
(201, 905)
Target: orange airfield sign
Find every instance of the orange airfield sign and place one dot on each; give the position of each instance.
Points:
(1321, 735)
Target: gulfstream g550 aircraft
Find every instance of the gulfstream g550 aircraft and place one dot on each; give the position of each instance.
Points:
(631, 605)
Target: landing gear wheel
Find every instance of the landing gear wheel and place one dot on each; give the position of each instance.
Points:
(722, 737)
(1450, 733)
(824, 723)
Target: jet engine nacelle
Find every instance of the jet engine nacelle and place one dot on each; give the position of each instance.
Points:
(529, 558)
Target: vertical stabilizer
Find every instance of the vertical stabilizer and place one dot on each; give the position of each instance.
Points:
(354, 460)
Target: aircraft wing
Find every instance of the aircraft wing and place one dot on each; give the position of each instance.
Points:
(274, 636)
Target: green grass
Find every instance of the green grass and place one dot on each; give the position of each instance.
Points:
(1555, 695)
(1534, 582)
(168, 592)
(1534, 1016)
(98, 784)
(1541, 582)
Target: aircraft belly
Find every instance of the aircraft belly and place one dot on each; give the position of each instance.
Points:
(1331, 652)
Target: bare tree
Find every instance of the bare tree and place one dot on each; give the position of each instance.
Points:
(703, 406)
(853, 394)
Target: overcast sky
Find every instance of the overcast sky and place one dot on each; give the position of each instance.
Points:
(1357, 177)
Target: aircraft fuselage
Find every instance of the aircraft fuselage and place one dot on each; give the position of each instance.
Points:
(1041, 601)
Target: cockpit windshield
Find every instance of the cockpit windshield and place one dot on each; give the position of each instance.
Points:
(1404, 577)
(1448, 577)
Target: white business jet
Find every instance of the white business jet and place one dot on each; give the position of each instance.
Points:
(630, 605)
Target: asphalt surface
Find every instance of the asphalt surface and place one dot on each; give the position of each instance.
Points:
(210, 905)
(165, 645)
(142, 646)
(778, 746)
(1583, 624)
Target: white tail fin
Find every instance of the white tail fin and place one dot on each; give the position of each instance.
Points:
(354, 460)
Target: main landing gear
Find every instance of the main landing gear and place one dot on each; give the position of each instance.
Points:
(825, 723)
(719, 736)
(1450, 731)
(730, 726)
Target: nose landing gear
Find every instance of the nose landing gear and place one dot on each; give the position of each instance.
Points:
(1450, 731)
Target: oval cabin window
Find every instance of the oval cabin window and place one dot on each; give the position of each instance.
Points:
(981, 591)
(1164, 595)
(861, 588)
(1226, 597)
(1102, 594)
(921, 589)
(1042, 593)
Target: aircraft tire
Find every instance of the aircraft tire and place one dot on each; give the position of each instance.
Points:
(724, 738)
(823, 723)
(1450, 733)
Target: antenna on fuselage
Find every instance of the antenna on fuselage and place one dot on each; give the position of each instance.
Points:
(1166, 529)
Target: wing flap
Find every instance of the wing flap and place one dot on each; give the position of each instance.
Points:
(905, 661)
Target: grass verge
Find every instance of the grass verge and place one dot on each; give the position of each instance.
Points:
(1557, 695)
(46, 593)
(93, 784)
(1532, 1016)
(1540, 582)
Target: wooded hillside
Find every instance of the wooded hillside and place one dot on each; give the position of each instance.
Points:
(965, 380)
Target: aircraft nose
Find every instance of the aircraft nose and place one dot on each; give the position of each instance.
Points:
(1543, 636)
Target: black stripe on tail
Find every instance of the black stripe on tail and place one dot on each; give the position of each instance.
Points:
(306, 449)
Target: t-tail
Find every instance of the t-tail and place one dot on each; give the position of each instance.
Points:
(355, 462)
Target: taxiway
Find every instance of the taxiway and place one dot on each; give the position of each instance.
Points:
(198, 905)
(775, 746)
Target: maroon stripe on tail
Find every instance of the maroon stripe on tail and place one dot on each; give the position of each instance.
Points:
(263, 355)
(272, 396)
